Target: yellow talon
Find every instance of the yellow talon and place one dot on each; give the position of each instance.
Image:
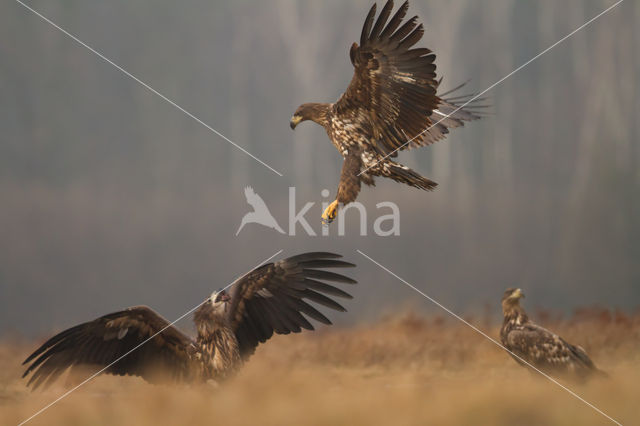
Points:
(330, 213)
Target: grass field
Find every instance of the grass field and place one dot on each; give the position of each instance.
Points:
(402, 370)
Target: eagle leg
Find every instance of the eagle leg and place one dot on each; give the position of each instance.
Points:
(349, 185)
(330, 213)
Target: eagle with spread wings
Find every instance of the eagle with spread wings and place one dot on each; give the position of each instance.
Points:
(390, 105)
(538, 346)
(273, 298)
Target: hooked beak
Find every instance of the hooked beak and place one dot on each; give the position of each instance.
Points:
(518, 294)
(294, 121)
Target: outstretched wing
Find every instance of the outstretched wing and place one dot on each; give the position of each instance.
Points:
(547, 350)
(273, 297)
(102, 341)
(394, 86)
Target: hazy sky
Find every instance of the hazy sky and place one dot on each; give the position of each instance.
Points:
(110, 197)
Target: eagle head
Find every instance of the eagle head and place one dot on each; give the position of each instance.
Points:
(512, 294)
(511, 300)
(212, 312)
(316, 112)
(296, 119)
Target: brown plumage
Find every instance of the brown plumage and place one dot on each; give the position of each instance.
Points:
(390, 101)
(538, 346)
(230, 325)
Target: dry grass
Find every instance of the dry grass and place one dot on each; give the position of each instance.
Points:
(403, 370)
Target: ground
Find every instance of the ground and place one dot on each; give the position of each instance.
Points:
(408, 369)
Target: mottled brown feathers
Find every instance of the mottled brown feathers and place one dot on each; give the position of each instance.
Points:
(390, 104)
(104, 340)
(538, 346)
(274, 298)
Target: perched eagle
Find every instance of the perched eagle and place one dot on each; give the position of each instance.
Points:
(390, 105)
(541, 348)
(271, 298)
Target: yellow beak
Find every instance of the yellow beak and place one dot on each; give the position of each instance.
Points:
(294, 121)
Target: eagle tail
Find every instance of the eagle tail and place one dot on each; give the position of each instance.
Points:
(404, 174)
(451, 115)
(453, 111)
(584, 359)
(601, 373)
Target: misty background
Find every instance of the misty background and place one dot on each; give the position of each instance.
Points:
(110, 197)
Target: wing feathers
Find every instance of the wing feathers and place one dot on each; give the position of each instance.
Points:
(103, 341)
(329, 276)
(275, 298)
(325, 263)
(326, 288)
(366, 28)
(546, 350)
(322, 300)
(404, 30)
(382, 19)
(412, 38)
(313, 256)
(396, 20)
(392, 95)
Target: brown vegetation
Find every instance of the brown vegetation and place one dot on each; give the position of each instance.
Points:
(407, 369)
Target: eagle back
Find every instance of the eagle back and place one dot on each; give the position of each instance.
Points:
(540, 347)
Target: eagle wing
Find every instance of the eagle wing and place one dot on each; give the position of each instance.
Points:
(393, 86)
(104, 340)
(547, 350)
(273, 297)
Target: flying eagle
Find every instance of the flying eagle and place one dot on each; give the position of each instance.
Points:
(538, 346)
(390, 105)
(230, 325)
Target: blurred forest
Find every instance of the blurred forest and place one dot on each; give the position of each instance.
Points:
(111, 197)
